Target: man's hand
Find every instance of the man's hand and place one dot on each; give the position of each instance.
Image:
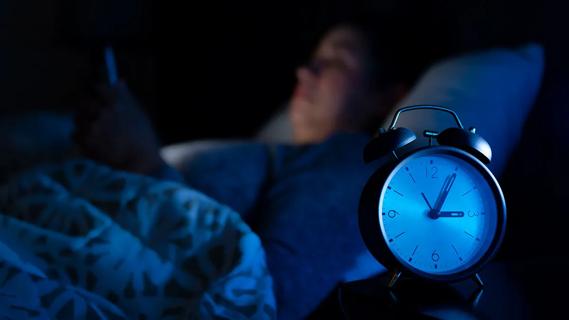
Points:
(114, 130)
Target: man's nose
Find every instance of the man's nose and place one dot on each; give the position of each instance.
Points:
(304, 74)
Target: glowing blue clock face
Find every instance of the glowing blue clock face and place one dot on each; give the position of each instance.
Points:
(438, 214)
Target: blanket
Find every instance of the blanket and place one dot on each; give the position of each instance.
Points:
(81, 241)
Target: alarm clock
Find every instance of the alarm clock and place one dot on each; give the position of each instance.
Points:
(435, 212)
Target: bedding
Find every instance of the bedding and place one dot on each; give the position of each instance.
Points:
(81, 241)
(294, 173)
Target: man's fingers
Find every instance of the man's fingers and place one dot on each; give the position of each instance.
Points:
(117, 97)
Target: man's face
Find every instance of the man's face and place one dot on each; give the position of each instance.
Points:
(332, 88)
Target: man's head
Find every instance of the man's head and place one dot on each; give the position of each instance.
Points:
(332, 89)
(358, 72)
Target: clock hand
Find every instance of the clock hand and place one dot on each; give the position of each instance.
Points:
(434, 212)
(451, 214)
(426, 200)
(447, 185)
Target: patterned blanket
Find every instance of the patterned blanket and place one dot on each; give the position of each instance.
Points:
(81, 241)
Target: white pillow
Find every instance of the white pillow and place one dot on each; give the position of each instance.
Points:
(278, 129)
(491, 90)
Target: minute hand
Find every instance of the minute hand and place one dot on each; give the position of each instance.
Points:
(447, 185)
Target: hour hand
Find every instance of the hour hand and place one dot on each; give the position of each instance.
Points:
(451, 214)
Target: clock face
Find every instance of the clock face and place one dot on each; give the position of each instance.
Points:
(438, 213)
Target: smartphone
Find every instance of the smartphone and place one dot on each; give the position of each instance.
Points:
(111, 66)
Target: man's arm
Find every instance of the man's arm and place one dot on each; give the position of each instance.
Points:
(116, 131)
(232, 172)
(113, 129)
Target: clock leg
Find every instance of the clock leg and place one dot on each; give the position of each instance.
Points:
(395, 155)
(478, 280)
(475, 297)
(393, 297)
(394, 277)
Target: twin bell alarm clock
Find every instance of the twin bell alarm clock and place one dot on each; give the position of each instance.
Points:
(435, 212)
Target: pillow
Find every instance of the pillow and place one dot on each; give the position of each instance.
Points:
(179, 154)
(278, 129)
(492, 90)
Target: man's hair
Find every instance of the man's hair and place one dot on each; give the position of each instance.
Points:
(401, 43)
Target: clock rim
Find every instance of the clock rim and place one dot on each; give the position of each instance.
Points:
(368, 215)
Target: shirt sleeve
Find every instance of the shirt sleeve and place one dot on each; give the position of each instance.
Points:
(234, 174)
(166, 172)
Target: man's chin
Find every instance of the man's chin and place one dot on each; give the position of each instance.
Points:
(296, 112)
(308, 137)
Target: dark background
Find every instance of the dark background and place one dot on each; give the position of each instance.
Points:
(220, 69)
(213, 69)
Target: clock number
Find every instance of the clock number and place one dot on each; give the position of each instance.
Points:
(435, 256)
(434, 171)
(392, 213)
(474, 213)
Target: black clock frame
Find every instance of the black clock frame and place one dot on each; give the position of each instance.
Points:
(370, 228)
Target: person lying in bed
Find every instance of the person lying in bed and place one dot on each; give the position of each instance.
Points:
(336, 92)
(301, 198)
